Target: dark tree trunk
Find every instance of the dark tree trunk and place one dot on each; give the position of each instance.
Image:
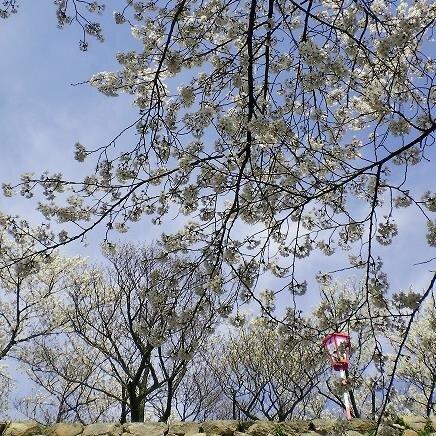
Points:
(167, 412)
(430, 402)
(136, 407)
(234, 406)
(123, 417)
(137, 412)
(124, 404)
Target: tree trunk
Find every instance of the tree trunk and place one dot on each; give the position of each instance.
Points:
(356, 413)
(124, 404)
(430, 397)
(137, 412)
(123, 417)
(136, 407)
(234, 408)
(167, 412)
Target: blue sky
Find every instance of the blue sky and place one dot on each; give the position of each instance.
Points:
(42, 116)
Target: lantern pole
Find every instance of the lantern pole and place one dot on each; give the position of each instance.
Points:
(346, 395)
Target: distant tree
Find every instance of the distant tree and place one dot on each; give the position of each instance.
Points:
(5, 386)
(265, 372)
(68, 385)
(392, 368)
(417, 365)
(135, 327)
(200, 396)
(31, 291)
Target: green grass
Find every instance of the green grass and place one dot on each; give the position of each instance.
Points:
(400, 421)
(279, 432)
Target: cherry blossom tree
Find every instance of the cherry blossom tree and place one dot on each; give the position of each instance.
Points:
(261, 372)
(5, 387)
(134, 329)
(392, 366)
(264, 370)
(417, 365)
(68, 385)
(30, 293)
(199, 396)
(258, 370)
(278, 128)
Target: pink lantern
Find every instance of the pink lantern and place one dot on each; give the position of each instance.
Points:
(338, 346)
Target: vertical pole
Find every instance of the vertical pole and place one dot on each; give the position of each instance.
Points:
(346, 397)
